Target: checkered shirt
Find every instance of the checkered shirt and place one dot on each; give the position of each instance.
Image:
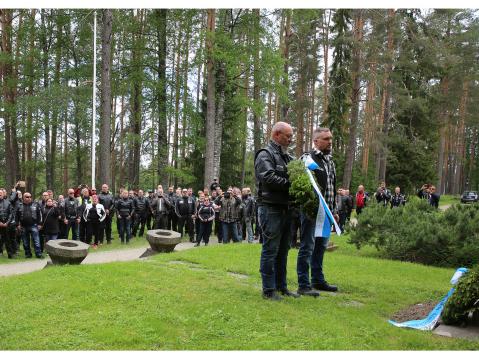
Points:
(328, 194)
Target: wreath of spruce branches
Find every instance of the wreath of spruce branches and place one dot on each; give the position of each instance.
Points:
(301, 190)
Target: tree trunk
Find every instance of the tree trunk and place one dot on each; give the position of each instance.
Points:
(211, 110)
(385, 101)
(287, 41)
(443, 123)
(9, 81)
(325, 31)
(162, 149)
(177, 101)
(185, 88)
(368, 118)
(105, 129)
(256, 88)
(461, 139)
(356, 80)
(136, 102)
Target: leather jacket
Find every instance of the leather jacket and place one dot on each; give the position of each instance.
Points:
(106, 199)
(6, 212)
(272, 180)
(141, 205)
(36, 213)
(125, 207)
(185, 206)
(71, 208)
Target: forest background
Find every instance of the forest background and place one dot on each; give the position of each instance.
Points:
(185, 95)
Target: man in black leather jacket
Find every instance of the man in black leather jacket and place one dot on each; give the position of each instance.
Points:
(72, 215)
(274, 217)
(6, 219)
(105, 198)
(141, 204)
(125, 213)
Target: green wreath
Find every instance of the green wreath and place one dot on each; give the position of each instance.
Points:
(301, 190)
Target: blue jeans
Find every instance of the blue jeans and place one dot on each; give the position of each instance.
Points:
(124, 228)
(248, 229)
(50, 237)
(311, 254)
(73, 225)
(274, 222)
(32, 232)
(226, 231)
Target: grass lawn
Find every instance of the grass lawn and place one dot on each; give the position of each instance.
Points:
(209, 298)
(449, 199)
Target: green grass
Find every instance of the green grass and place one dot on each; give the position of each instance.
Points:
(448, 199)
(191, 300)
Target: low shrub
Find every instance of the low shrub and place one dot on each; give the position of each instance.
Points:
(464, 300)
(420, 233)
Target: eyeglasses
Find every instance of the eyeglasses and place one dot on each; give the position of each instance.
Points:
(28, 196)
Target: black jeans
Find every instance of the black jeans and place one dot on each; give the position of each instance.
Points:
(73, 225)
(7, 240)
(94, 228)
(275, 223)
(161, 221)
(139, 220)
(107, 228)
(173, 222)
(204, 231)
(82, 234)
(186, 223)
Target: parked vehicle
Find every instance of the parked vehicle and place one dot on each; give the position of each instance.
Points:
(469, 197)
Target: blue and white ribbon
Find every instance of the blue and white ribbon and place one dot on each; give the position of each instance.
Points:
(429, 323)
(324, 218)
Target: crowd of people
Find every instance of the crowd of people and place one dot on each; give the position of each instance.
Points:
(87, 216)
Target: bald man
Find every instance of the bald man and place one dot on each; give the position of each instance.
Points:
(274, 216)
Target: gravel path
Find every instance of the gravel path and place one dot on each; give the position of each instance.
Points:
(120, 255)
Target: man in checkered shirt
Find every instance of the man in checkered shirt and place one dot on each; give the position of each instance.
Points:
(311, 251)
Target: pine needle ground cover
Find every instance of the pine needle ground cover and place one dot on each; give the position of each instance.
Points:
(209, 298)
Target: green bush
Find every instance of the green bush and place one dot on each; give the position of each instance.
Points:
(301, 190)
(464, 300)
(419, 233)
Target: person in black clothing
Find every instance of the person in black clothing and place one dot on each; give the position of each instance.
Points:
(160, 208)
(105, 198)
(94, 215)
(84, 200)
(6, 220)
(218, 226)
(71, 216)
(214, 185)
(185, 208)
(248, 214)
(15, 200)
(424, 192)
(383, 195)
(172, 217)
(29, 219)
(199, 202)
(141, 205)
(149, 213)
(51, 214)
(295, 226)
(433, 197)
(274, 216)
(398, 198)
(344, 208)
(206, 216)
(125, 211)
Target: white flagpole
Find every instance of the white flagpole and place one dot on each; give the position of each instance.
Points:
(93, 139)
